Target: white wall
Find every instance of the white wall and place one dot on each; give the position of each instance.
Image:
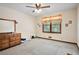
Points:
(69, 33)
(25, 24)
(78, 25)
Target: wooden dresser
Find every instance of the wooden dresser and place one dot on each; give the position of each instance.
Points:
(9, 39)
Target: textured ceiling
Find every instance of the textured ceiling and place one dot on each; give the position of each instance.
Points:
(54, 7)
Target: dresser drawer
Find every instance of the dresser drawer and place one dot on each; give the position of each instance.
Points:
(7, 36)
(0, 46)
(5, 45)
(12, 39)
(5, 41)
(17, 42)
(2, 36)
(0, 40)
(17, 35)
(12, 43)
(18, 38)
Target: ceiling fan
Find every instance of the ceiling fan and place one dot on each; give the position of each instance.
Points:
(38, 7)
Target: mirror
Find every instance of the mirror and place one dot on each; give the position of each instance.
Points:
(6, 26)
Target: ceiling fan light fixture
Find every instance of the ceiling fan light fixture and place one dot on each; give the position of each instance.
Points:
(38, 10)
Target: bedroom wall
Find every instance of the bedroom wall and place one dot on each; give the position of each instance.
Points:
(69, 33)
(78, 25)
(25, 24)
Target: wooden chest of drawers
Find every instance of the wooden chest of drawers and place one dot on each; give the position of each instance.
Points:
(15, 39)
(9, 39)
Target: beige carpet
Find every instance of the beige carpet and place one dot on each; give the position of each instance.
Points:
(42, 47)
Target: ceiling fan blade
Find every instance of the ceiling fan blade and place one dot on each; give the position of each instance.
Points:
(30, 6)
(39, 5)
(36, 5)
(45, 6)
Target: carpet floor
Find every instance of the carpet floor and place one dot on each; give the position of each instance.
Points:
(42, 47)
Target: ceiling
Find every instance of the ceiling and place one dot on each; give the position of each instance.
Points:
(54, 7)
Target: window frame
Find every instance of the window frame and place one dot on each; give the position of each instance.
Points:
(51, 26)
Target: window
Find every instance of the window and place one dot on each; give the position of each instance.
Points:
(46, 26)
(52, 24)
